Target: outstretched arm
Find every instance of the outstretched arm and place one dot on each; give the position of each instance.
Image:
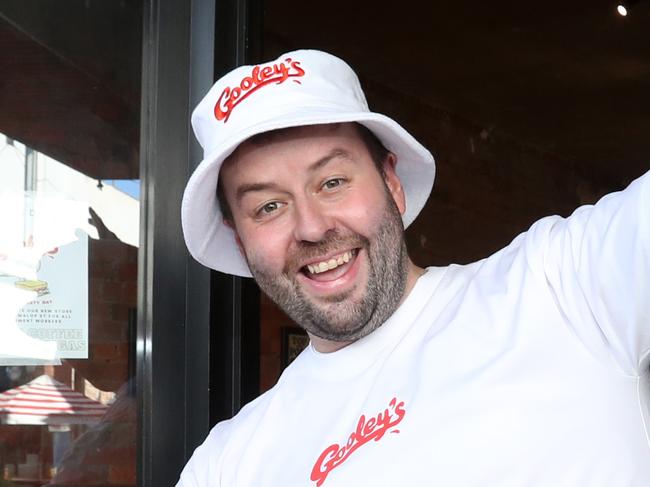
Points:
(597, 264)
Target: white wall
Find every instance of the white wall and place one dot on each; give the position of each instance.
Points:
(119, 211)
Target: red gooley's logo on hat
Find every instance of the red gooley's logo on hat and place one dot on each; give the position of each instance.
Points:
(259, 77)
(371, 429)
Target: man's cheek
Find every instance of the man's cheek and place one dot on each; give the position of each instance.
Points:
(263, 260)
(366, 223)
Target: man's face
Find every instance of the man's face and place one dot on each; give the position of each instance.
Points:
(320, 228)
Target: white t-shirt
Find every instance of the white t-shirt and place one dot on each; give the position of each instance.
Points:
(525, 369)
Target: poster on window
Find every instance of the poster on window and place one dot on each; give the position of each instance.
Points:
(43, 279)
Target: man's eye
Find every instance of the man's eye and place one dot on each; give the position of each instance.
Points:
(268, 208)
(333, 183)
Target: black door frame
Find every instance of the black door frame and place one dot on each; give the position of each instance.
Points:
(198, 331)
(234, 365)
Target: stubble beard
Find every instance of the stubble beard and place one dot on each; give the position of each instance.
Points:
(340, 318)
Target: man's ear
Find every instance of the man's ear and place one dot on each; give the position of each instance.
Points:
(393, 182)
(230, 224)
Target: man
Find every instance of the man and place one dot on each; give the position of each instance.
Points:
(526, 368)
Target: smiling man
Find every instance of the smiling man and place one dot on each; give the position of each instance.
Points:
(319, 223)
(527, 368)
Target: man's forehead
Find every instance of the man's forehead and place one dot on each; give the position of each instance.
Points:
(303, 132)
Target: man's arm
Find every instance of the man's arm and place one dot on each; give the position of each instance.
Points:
(597, 265)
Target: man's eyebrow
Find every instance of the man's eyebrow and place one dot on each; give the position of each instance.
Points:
(323, 161)
(252, 187)
(315, 166)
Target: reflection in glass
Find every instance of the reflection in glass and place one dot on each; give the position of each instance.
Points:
(61, 425)
(69, 231)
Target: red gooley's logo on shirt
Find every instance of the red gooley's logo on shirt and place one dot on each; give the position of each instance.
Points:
(371, 429)
(259, 77)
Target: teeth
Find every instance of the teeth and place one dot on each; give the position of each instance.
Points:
(333, 263)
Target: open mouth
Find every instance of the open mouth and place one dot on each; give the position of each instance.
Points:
(325, 267)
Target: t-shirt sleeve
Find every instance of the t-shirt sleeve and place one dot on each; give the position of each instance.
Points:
(597, 266)
(202, 470)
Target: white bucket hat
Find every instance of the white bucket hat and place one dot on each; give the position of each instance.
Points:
(303, 87)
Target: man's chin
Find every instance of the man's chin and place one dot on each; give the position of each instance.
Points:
(341, 332)
(340, 319)
(344, 298)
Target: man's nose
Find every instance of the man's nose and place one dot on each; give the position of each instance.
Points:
(311, 221)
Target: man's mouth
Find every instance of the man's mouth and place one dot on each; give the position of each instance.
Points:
(331, 274)
(331, 263)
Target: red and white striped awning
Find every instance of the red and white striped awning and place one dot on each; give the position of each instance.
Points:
(47, 401)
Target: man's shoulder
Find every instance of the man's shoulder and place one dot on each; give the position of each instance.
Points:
(247, 413)
(250, 413)
(207, 458)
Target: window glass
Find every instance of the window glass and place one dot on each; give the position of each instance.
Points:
(69, 234)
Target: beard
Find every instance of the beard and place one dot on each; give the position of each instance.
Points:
(339, 317)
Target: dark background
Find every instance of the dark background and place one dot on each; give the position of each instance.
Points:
(530, 108)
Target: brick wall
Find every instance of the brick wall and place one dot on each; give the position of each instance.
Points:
(105, 453)
(113, 269)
